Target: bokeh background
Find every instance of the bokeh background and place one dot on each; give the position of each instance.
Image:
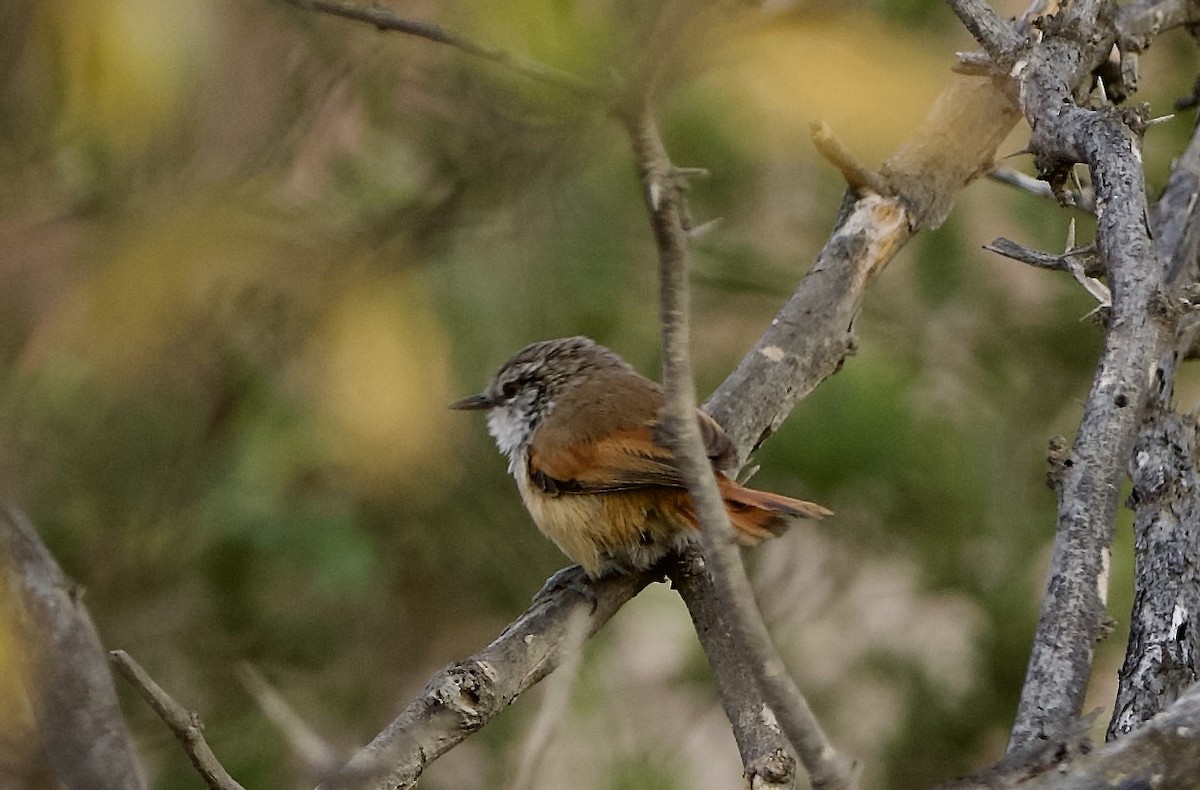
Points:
(248, 254)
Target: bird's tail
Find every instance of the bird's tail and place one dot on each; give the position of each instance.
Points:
(757, 515)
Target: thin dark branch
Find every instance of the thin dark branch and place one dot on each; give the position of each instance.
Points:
(383, 19)
(62, 666)
(663, 191)
(185, 724)
(1085, 257)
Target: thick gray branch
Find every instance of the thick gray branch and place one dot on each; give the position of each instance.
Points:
(995, 35)
(63, 667)
(466, 695)
(1160, 659)
(1072, 612)
(1164, 753)
(769, 765)
(1160, 662)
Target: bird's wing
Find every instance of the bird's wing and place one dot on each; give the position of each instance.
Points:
(614, 441)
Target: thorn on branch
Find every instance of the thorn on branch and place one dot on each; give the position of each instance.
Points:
(698, 232)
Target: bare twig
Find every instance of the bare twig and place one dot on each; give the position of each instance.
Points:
(316, 754)
(185, 724)
(974, 64)
(1084, 257)
(62, 666)
(383, 19)
(837, 154)
(1081, 263)
(826, 768)
(1014, 178)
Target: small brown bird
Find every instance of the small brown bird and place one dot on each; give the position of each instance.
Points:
(580, 428)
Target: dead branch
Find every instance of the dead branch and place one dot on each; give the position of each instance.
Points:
(1165, 752)
(1161, 657)
(767, 765)
(468, 694)
(63, 668)
(1046, 76)
(664, 196)
(383, 19)
(857, 177)
(185, 724)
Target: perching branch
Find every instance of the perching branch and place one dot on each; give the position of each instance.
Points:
(185, 724)
(663, 191)
(768, 763)
(62, 666)
(468, 694)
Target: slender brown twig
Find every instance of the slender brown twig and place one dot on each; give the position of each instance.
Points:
(185, 724)
(663, 191)
(383, 19)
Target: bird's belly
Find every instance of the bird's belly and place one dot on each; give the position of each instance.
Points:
(612, 531)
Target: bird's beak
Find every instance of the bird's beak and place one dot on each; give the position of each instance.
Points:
(473, 403)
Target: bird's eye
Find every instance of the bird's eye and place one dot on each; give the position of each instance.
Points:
(509, 390)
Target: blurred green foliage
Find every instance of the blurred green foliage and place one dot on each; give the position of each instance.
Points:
(249, 254)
